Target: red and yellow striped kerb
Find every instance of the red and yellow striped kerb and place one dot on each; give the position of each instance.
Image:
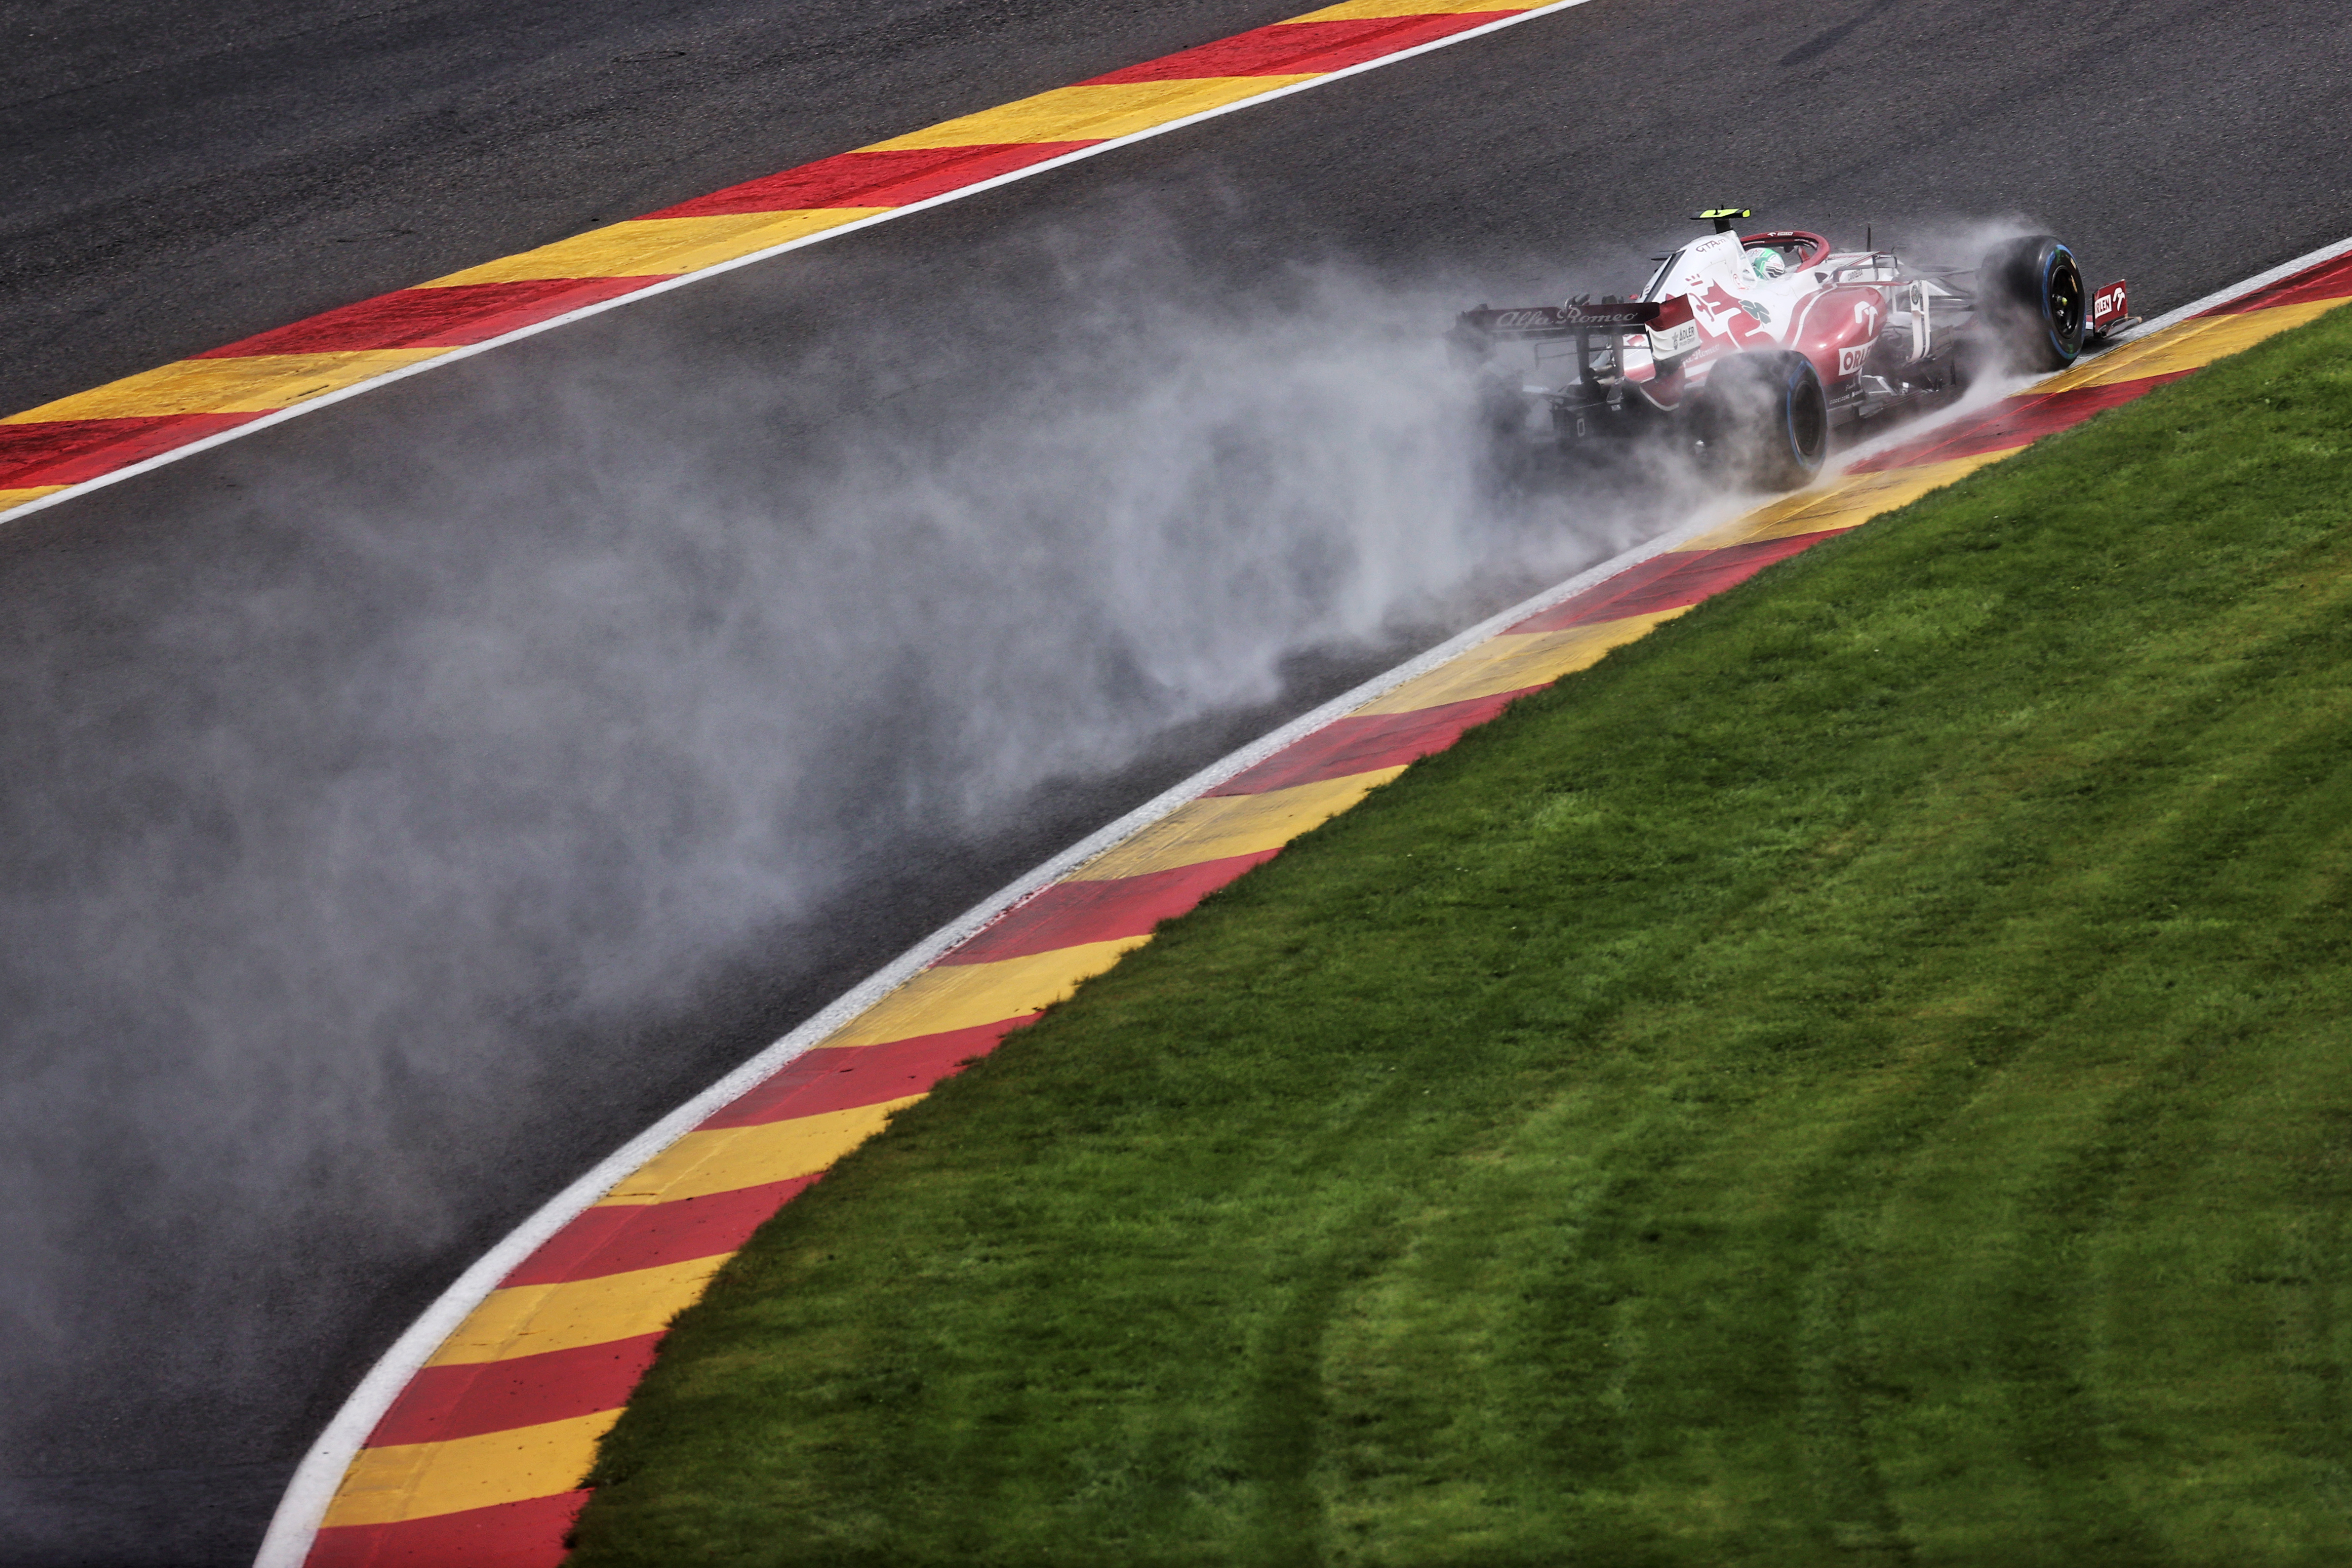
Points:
(92, 434)
(477, 1462)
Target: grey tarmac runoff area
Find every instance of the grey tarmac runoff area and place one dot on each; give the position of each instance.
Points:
(382, 658)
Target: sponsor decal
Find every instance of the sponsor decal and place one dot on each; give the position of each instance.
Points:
(1544, 318)
(1851, 361)
(1725, 314)
(1677, 339)
(1763, 316)
(2110, 302)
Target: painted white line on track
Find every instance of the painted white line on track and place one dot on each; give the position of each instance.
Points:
(313, 1486)
(325, 400)
(2239, 289)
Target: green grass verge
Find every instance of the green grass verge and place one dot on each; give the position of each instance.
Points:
(1862, 1076)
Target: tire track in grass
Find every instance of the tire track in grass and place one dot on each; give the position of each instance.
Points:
(2068, 1209)
(1288, 1413)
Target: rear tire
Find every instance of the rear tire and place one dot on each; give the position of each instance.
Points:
(1506, 423)
(2030, 293)
(1765, 420)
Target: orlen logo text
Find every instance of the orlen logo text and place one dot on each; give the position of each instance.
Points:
(2108, 302)
(1851, 361)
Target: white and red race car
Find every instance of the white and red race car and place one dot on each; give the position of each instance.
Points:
(1751, 349)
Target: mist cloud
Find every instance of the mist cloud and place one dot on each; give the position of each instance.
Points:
(357, 821)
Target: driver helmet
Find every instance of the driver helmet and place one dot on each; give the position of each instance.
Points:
(1768, 262)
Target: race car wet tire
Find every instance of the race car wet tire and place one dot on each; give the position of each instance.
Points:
(2030, 291)
(1513, 427)
(1765, 420)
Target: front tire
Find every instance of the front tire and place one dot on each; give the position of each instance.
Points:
(1764, 420)
(2030, 291)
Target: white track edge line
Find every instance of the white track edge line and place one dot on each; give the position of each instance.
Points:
(2239, 291)
(304, 1504)
(467, 351)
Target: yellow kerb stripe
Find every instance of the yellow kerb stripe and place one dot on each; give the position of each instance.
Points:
(724, 1159)
(960, 995)
(655, 247)
(18, 498)
(1089, 113)
(1515, 661)
(419, 1481)
(1842, 503)
(526, 1319)
(1217, 825)
(1365, 10)
(255, 384)
(2192, 345)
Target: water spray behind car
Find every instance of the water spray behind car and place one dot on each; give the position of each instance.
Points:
(472, 809)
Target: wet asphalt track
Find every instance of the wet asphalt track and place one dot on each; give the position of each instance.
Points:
(178, 175)
(167, 198)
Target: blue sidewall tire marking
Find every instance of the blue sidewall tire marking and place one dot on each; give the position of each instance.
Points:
(2049, 317)
(1789, 418)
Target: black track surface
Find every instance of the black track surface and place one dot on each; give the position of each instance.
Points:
(2183, 145)
(176, 176)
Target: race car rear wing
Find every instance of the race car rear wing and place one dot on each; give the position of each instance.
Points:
(1669, 326)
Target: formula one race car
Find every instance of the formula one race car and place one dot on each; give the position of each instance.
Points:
(1749, 349)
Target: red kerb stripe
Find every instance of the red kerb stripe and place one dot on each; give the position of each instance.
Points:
(2012, 422)
(68, 452)
(525, 1534)
(872, 179)
(618, 1238)
(1300, 48)
(840, 1078)
(1668, 582)
(444, 1402)
(1362, 743)
(2328, 281)
(433, 318)
(1594, 603)
(1068, 913)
